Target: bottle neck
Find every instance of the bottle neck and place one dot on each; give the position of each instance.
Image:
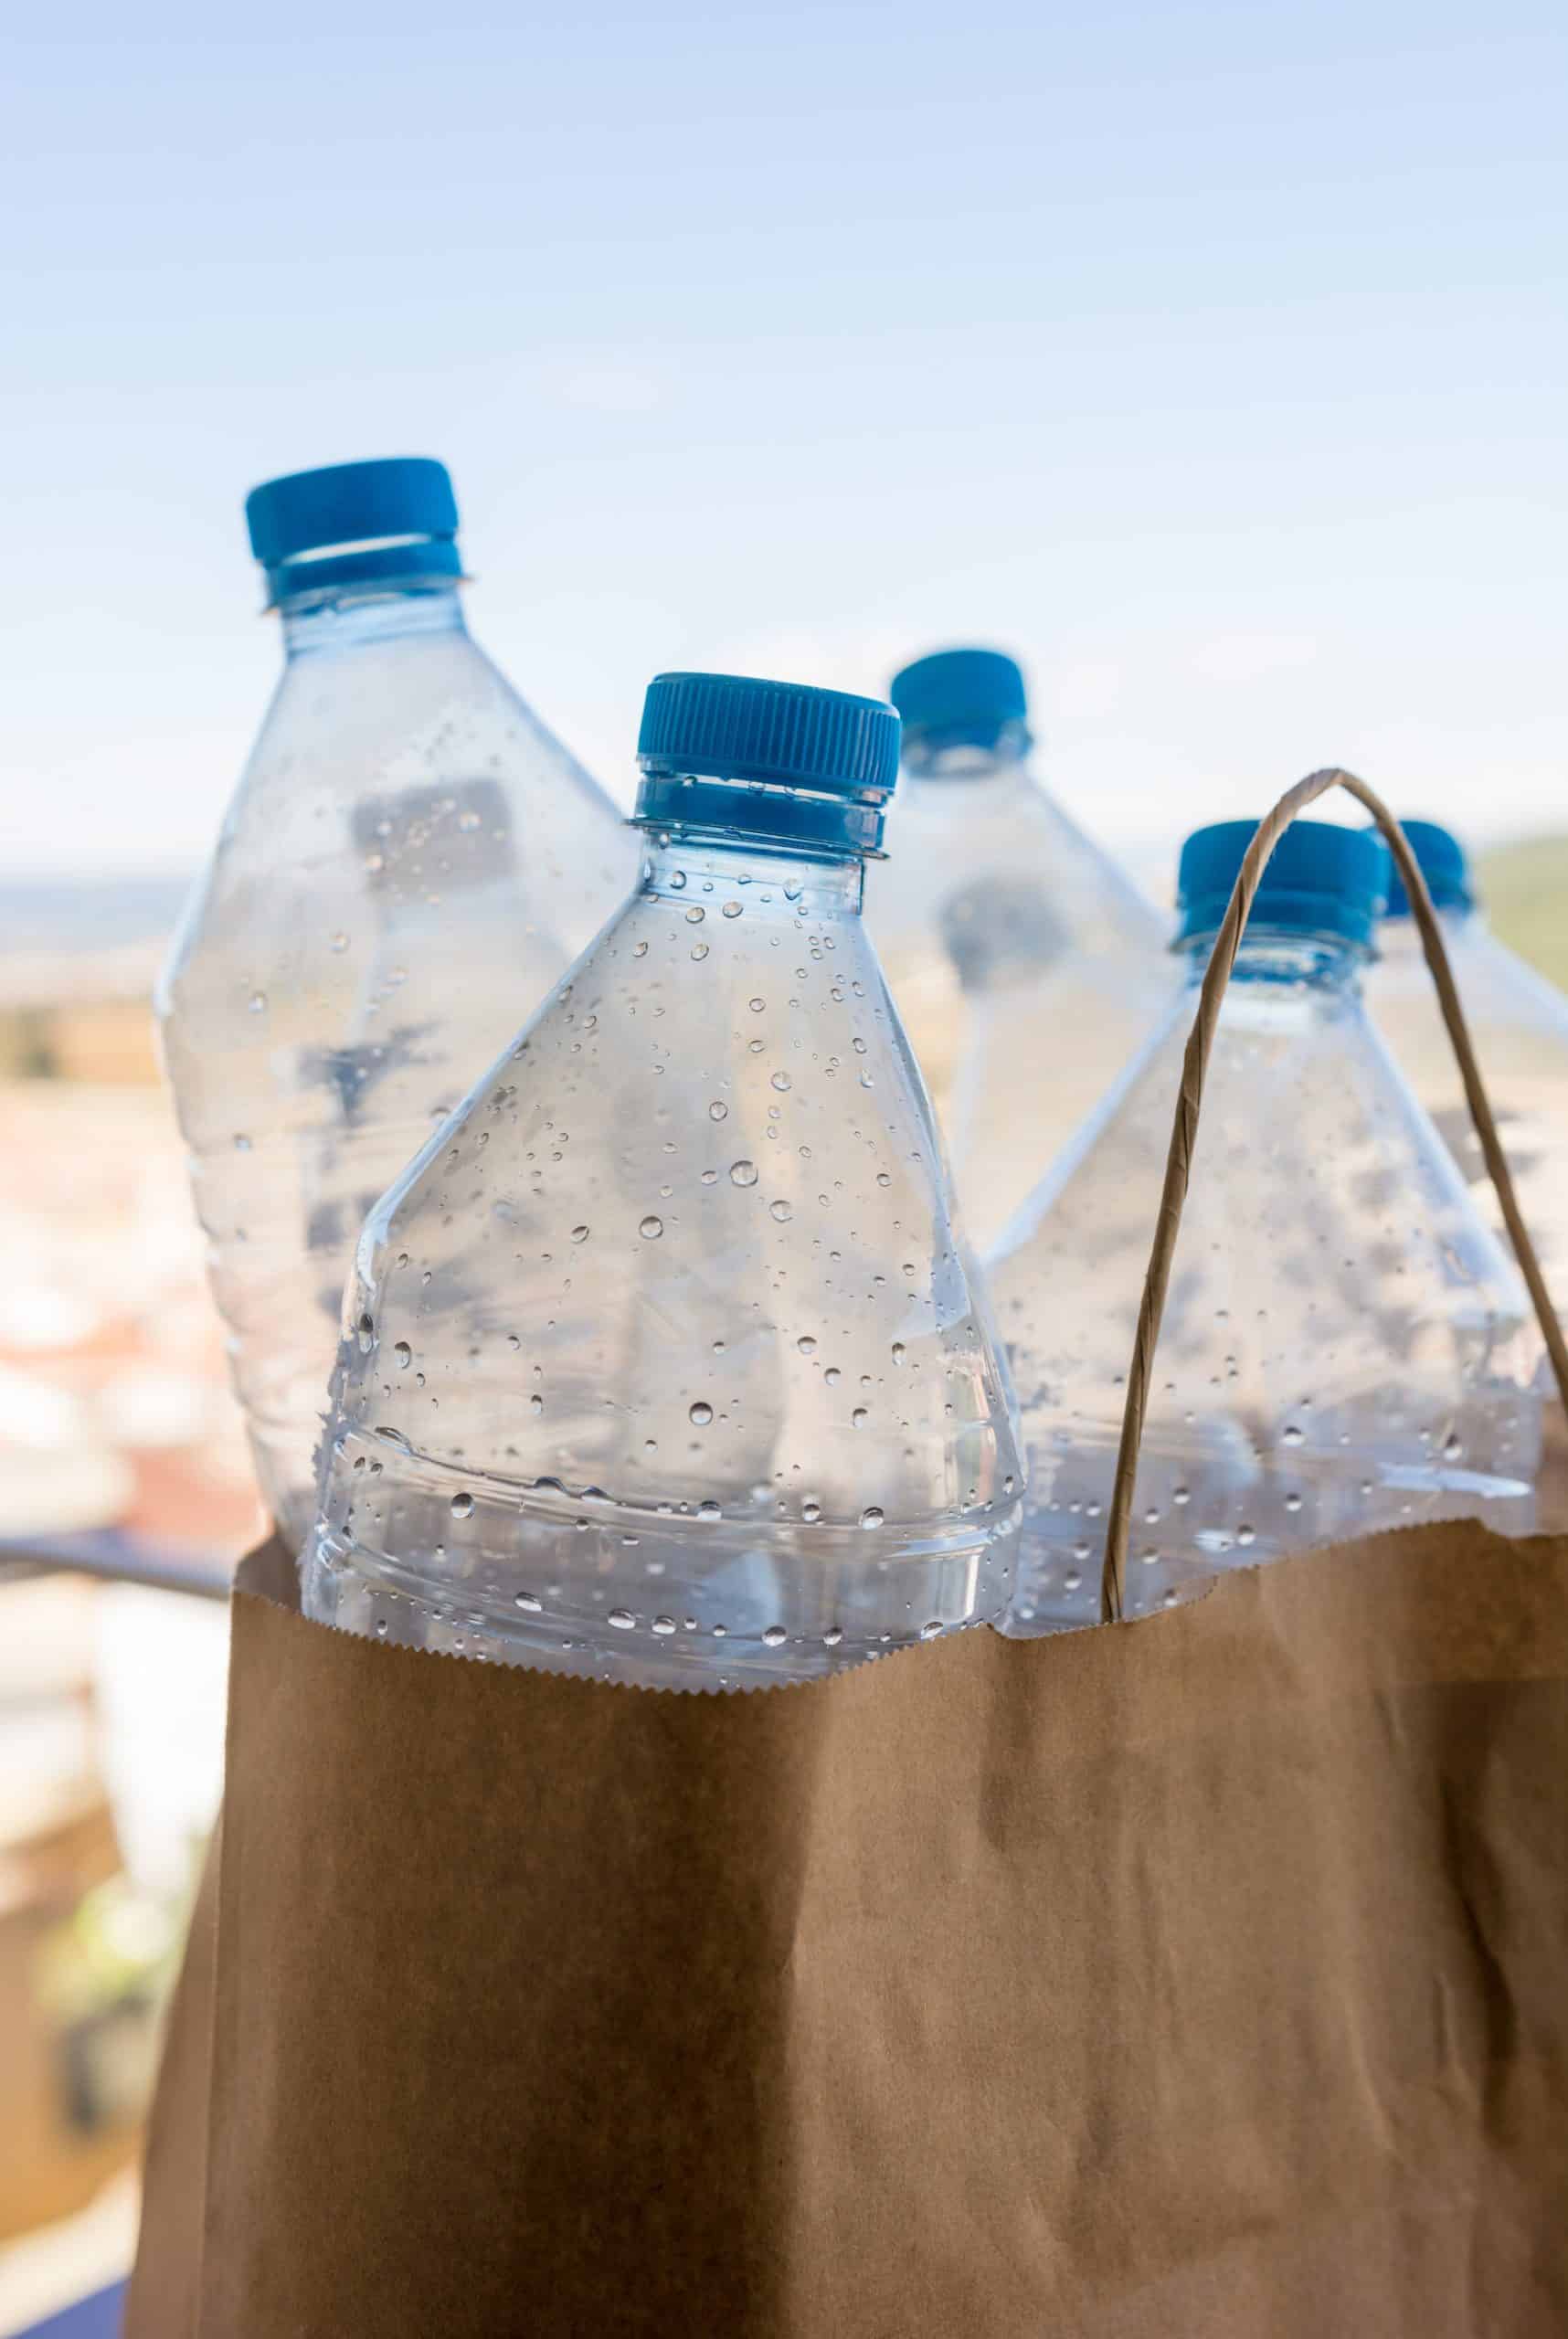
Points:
(314, 623)
(710, 873)
(1000, 764)
(1398, 938)
(1294, 962)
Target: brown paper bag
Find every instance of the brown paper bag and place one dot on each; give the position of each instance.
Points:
(1200, 1976)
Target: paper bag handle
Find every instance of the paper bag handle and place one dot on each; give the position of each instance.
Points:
(1179, 1162)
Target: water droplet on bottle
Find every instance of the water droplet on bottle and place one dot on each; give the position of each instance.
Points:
(709, 1511)
(871, 1516)
(732, 909)
(699, 951)
(663, 1626)
(811, 1512)
(677, 881)
(381, 1629)
(859, 1418)
(366, 1332)
(806, 1344)
(579, 1234)
(1180, 1495)
(930, 1632)
(536, 1404)
(699, 1414)
(403, 1353)
(622, 1619)
(258, 1002)
(743, 1173)
(831, 1377)
(882, 1179)
(832, 1636)
(781, 1211)
(650, 1228)
(462, 1506)
(639, 950)
(1453, 1450)
(1292, 1502)
(1292, 1434)
(781, 1081)
(529, 1604)
(757, 1005)
(696, 914)
(241, 1144)
(1247, 1535)
(775, 1636)
(718, 1110)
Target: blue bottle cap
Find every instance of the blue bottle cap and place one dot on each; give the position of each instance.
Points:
(355, 524)
(1442, 861)
(809, 768)
(961, 698)
(1320, 881)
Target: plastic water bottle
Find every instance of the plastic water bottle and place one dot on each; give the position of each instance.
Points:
(409, 862)
(1024, 963)
(663, 1363)
(1518, 1022)
(1345, 1346)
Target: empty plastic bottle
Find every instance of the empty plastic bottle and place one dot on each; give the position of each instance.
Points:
(1345, 1345)
(409, 862)
(663, 1363)
(1518, 1022)
(1024, 963)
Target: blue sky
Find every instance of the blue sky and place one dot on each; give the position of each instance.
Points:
(1211, 357)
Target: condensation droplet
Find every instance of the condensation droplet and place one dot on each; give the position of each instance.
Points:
(732, 909)
(859, 1418)
(579, 1234)
(709, 1511)
(696, 914)
(871, 1517)
(462, 1506)
(775, 1636)
(781, 1081)
(403, 1353)
(622, 1619)
(651, 1228)
(718, 1110)
(743, 1173)
(780, 1211)
(699, 1414)
(663, 1626)
(806, 1344)
(832, 1636)
(1245, 1536)
(529, 1603)
(757, 1005)
(811, 1512)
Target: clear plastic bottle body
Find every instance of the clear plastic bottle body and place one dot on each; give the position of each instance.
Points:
(1518, 1022)
(664, 1364)
(1025, 964)
(411, 861)
(1345, 1348)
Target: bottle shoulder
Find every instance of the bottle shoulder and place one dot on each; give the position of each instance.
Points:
(413, 780)
(966, 857)
(1311, 1157)
(698, 1181)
